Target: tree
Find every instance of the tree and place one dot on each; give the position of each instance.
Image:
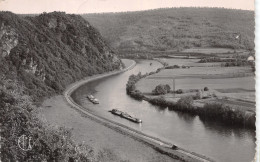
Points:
(161, 89)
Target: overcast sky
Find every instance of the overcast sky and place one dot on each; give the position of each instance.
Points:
(96, 6)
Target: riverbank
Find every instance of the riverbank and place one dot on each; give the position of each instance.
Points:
(227, 110)
(104, 134)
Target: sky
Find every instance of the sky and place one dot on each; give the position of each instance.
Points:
(98, 6)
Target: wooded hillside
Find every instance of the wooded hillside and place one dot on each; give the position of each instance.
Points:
(39, 56)
(176, 29)
(49, 51)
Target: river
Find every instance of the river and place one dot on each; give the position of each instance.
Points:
(212, 139)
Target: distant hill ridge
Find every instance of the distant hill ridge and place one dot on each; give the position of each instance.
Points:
(176, 29)
(51, 50)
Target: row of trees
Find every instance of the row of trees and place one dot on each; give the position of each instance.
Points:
(210, 111)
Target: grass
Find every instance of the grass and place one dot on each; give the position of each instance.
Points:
(234, 90)
(147, 85)
(209, 50)
(205, 72)
(232, 82)
(189, 62)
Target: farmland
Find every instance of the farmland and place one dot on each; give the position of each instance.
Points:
(209, 50)
(232, 83)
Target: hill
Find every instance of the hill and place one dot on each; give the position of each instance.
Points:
(49, 51)
(39, 56)
(175, 29)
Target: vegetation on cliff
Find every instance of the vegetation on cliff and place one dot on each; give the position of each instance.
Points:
(39, 56)
(49, 51)
(20, 117)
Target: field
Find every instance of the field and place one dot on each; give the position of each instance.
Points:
(209, 50)
(232, 83)
(188, 62)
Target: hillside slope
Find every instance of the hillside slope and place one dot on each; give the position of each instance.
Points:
(176, 29)
(49, 51)
(39, 56)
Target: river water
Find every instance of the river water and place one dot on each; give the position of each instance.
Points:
(212, 139)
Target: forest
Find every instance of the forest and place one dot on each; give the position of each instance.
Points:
(39, 56)
(175, 29)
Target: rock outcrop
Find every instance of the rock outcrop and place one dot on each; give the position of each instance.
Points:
(8, 40)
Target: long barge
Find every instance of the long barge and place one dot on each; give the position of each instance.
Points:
(125, 115)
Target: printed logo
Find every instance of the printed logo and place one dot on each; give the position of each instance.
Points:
(25, 142)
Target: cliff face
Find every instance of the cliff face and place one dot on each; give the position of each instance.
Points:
(49, 51)
(9, 39)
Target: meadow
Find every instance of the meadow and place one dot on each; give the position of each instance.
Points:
(236, 83)
(209, 50)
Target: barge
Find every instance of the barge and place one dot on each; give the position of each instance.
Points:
(125, 115)
(93, 99)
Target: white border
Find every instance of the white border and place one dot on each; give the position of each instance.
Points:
(257, 49)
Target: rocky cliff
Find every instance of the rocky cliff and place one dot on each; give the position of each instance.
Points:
(49, 51)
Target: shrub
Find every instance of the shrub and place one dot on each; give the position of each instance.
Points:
(185, 102)
(160, 101)
(228, 114)
(198, 95)
(161, 89)
(158, 70)
(206, 88)
(151, 73)
(179, 91)
(130, 85)
(172, 67)
(137, 94)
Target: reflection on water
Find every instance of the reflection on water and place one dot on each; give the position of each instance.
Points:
(228, 130)
(186, 117)
(215, 140)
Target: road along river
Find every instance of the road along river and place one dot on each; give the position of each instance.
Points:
(214, 140)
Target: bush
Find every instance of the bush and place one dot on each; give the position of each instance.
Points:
(151, 73)
(161, 89)
(176, 66)
(185, 102)
(137, 94)
(172, 67)
(160, 101)
(206, 88)
(230, 115)
(130, 85)
(179, 91)
(198, 95)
